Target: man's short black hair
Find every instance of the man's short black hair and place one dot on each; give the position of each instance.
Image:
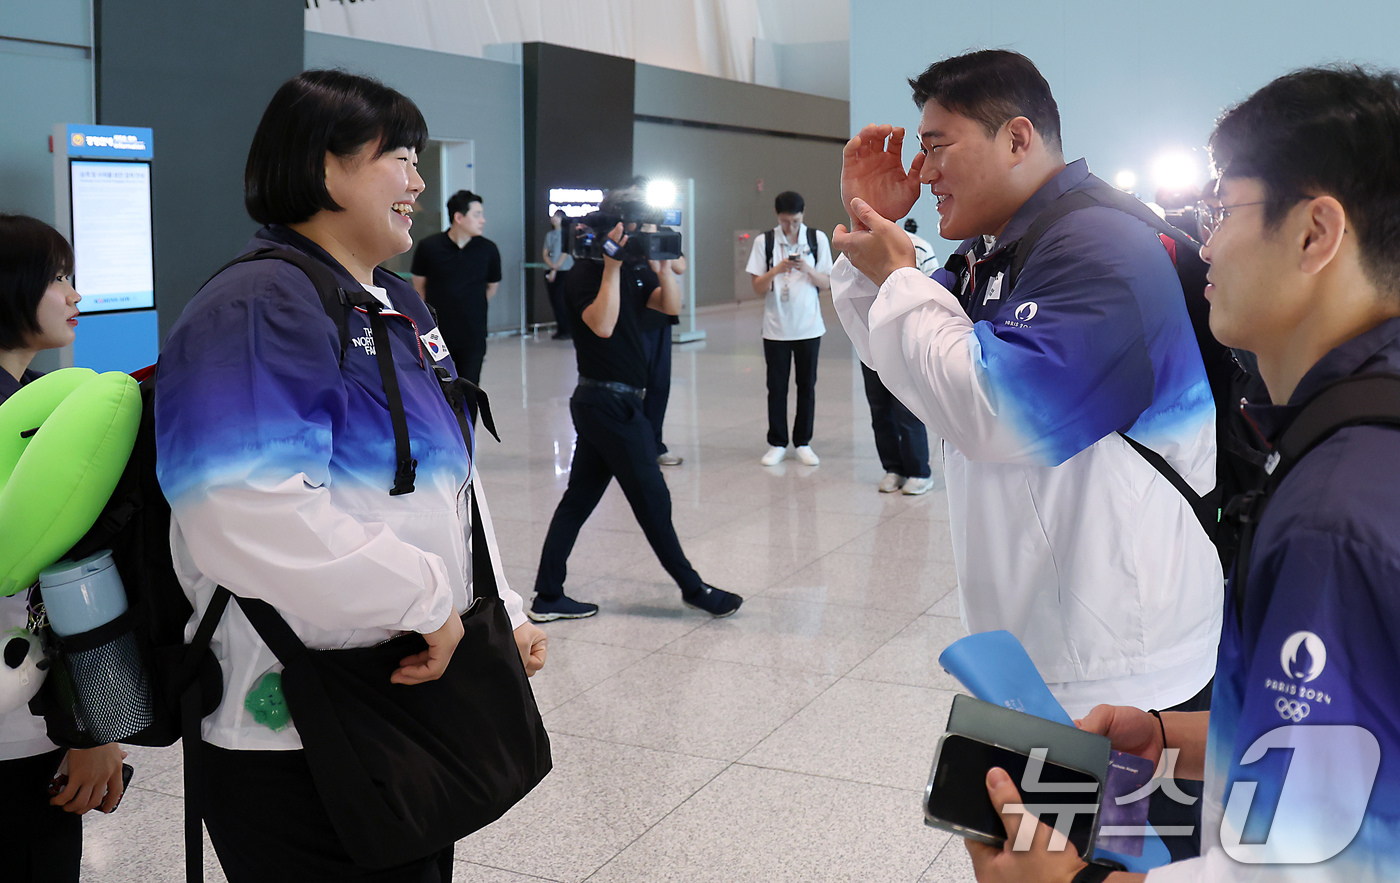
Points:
(32, 255)
(789, 202)
(1325, 131)
(991, 87)
(313, 113)
(461, 203)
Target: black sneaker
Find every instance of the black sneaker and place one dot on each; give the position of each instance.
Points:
(716, 602)
(563, 607)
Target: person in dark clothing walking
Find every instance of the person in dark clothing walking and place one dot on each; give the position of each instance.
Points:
(457, 272)
(607, 301)
(901, 440)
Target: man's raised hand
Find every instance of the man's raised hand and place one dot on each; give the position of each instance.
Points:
(876, 247)
(872, 168)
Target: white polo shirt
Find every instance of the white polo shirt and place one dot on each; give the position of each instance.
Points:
(792, 309)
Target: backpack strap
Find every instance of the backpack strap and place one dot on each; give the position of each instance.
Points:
(1205, 508)
(768, 247)
(1365, 400)
(191, 737)
(405, 466)
(1109, 197)
(333, 298)
(812, 244)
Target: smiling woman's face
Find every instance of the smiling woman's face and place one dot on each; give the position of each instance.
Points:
(377, 194)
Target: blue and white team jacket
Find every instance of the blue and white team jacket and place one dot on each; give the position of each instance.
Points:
(1303, 755)
(277, 460)
(1062, 534)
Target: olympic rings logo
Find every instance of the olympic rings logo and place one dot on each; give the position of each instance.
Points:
(1289, 710)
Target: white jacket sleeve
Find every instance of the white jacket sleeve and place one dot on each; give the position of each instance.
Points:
(914, 334)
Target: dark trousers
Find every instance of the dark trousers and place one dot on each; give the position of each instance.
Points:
(615, 439)
(1163, 811)
(39, 843)
(268, 825)
(467, 354)
(780, 356)
(900, 438)
(556, 299)
(657, 344)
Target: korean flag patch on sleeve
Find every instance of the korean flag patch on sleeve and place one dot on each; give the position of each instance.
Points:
(436, 346)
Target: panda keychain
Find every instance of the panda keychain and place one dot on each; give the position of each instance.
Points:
(23, 670)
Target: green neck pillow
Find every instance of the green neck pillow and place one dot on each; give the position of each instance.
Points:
(64, 441)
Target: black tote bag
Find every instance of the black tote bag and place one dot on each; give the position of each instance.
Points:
(406, 770)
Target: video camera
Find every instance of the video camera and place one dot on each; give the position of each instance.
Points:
(629, 208)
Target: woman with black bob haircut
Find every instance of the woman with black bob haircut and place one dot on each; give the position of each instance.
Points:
(277, 451)
(41, 837)
(35, 263)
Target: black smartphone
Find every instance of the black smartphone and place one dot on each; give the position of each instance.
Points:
(127, 770)
(60, 779)
(956, 798)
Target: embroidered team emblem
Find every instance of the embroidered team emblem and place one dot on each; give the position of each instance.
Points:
(436, 346)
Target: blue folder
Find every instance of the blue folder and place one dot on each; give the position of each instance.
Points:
(994, 667)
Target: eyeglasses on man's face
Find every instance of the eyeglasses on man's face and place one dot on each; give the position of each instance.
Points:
(1209, 217)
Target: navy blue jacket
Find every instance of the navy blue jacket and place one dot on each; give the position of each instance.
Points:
(1319, 642)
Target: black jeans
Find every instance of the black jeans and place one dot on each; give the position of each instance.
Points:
(556, 299)
(39, 843)
(657, 344)
(900, 438)
(268, 825)
(780, 355)
(615, 439)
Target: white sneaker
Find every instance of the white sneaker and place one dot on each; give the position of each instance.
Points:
(915, 486)
(891, 483)
(806, 456)
(774, 456)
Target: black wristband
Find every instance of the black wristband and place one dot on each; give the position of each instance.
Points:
(1093, 873)
(1157, 714)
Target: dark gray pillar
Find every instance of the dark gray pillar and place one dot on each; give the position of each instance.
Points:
(578, 133)
(199, 73)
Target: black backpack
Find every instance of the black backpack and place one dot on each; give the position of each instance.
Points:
(1239, 452)
(1368, 399)
(768, 238)
(185, 683)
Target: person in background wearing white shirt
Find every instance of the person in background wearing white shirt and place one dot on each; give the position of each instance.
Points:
(790, 265)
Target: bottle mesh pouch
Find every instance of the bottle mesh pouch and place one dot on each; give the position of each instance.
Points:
(99, 686)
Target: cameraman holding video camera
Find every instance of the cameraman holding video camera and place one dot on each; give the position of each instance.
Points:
(610, 289)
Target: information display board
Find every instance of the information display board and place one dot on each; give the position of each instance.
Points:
(102, 204)
(111, 212)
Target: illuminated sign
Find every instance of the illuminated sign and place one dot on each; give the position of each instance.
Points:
(113, 261)
(574, 203)
(110, 142)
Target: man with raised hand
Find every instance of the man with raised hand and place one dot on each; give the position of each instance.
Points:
(1063, 534)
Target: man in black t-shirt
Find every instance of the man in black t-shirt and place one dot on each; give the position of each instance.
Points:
(607, 301)
(457, 272)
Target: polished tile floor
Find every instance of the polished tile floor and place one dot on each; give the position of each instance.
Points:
(789, 742)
